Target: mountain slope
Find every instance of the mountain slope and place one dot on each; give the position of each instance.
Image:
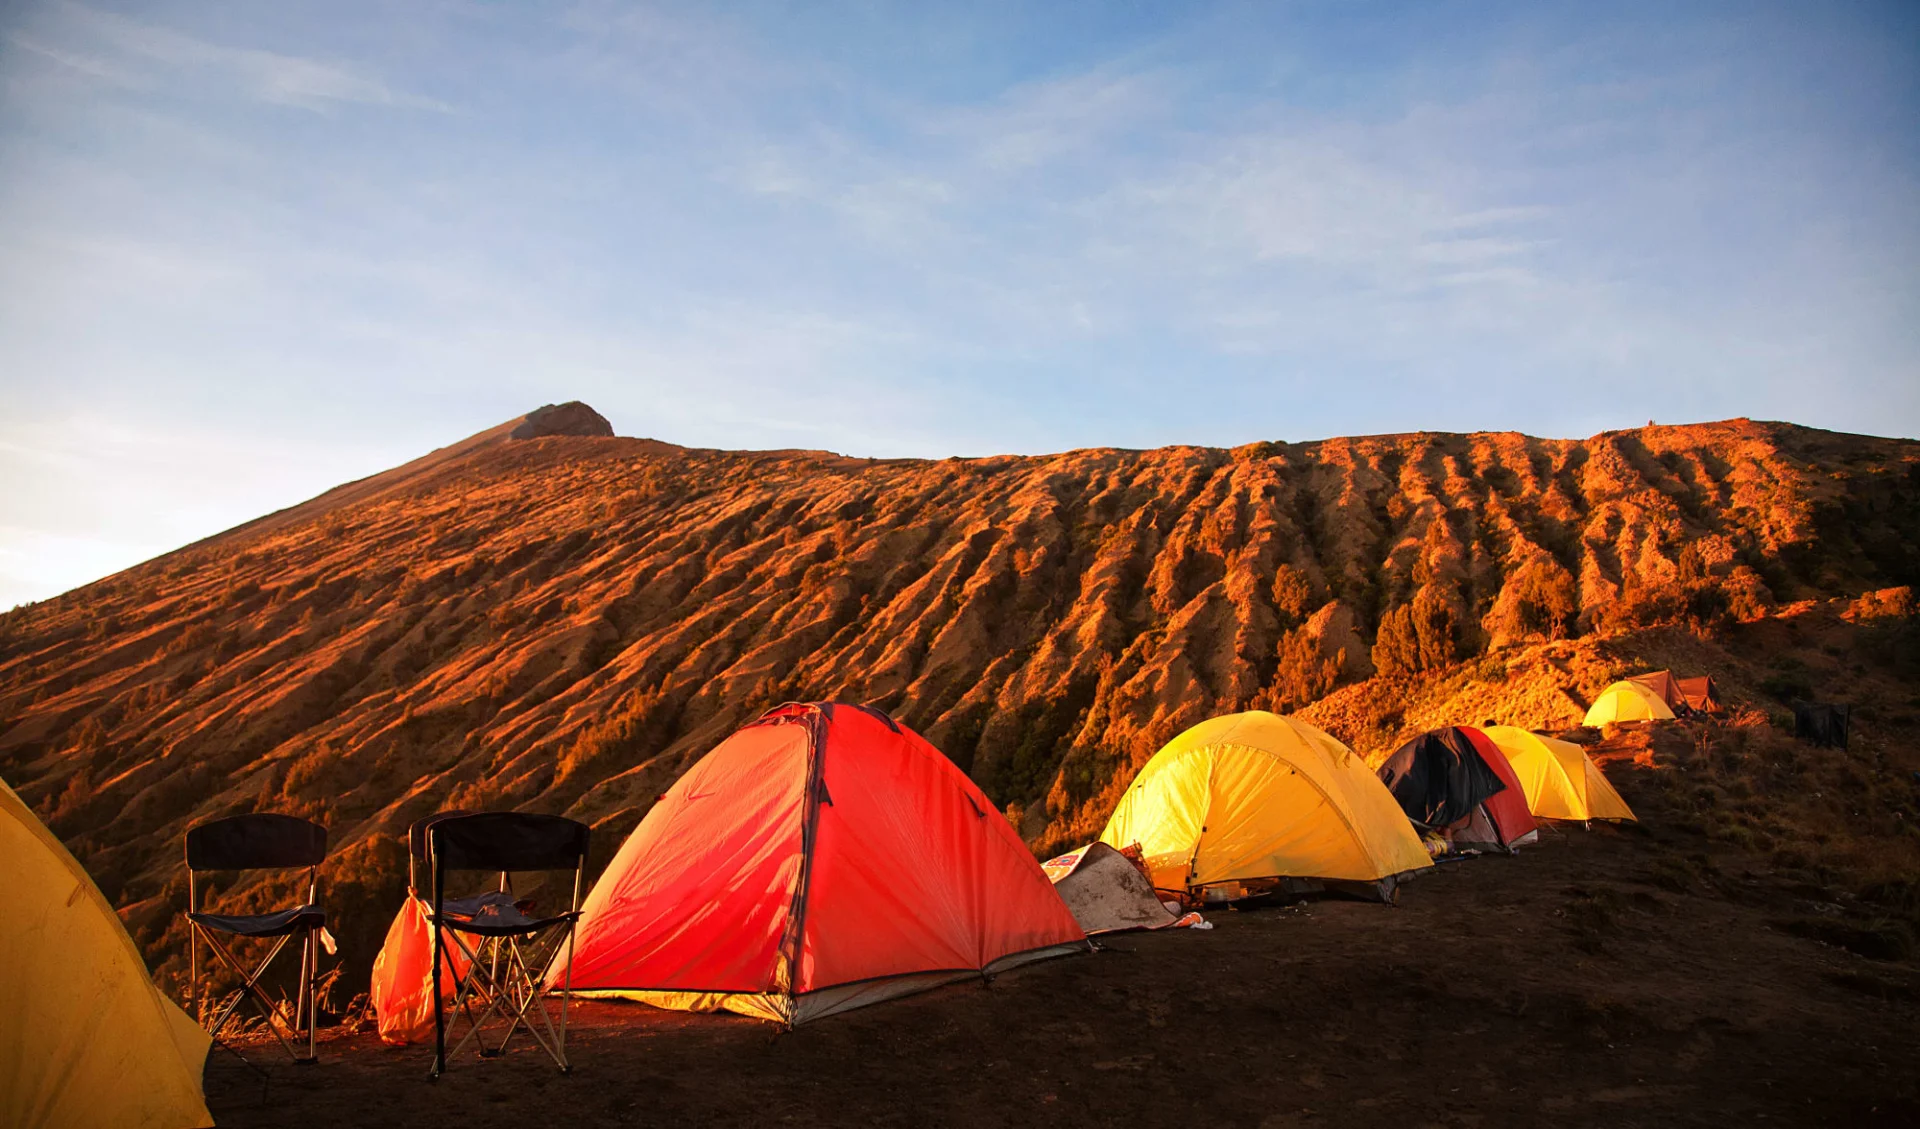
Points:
(564, 621)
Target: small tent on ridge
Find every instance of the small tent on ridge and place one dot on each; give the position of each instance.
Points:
(1106, 891)
(1665, 687)
(1560, 780)
(1627, 701)
(1702, 694)
(1252, 800)
(85, 1037)
(823, 858)
(1456, 782)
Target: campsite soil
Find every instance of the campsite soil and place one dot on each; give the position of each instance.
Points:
(1614, 976)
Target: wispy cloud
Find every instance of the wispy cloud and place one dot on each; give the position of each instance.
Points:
(73, 60)
(966, 229)
(128, 52)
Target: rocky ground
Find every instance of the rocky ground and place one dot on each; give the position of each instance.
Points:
(1642, 975)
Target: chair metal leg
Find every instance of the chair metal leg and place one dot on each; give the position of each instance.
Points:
(566, 987)
(504, 977)
(309, 973)
(439, 1011)
(250, 990)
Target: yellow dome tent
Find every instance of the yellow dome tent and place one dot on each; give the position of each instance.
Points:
(1560, 780)
(85, 1038)
(1253, 797)
(1628, 701)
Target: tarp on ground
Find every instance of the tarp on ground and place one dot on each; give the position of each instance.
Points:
(1627, 701)
(1254, 796)
(86, 1040)
(822, 858)
(1560, 780)
(1106, 891)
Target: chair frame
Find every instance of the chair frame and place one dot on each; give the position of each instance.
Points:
(505, 973)
(250, 989)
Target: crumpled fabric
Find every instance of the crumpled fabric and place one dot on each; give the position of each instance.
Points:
(402, 990)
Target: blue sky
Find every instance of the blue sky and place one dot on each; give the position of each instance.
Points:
(250, 251)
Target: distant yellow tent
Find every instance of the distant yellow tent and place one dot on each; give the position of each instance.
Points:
(1560, 780)
(86, 1040)
(1628, 701)
(1255, 796)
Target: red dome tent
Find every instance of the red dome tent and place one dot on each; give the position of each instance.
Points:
(823, 858)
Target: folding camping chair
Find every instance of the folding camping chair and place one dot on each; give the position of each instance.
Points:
(419, 866)
(262, 841)
(507, 954)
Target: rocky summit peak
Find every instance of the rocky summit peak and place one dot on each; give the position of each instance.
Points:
(570, 418)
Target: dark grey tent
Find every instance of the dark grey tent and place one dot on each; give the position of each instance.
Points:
(1821, 723)
(1439, 778)
(1457, 782)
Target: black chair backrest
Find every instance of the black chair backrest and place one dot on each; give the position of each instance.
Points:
(263, 841)
(507, 840)
(417, 856)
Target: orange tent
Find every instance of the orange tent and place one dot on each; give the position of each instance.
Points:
(823, 858)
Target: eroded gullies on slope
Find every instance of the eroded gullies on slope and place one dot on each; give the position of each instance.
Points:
(565, 623)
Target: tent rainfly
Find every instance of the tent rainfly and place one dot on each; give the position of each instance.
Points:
(1106, 891)
(1456, 782)
(1252, 801)
(1560, 780)
(823, 858)
(85, 1038)
(1664, 686)
(1702, 694)
(1627, 701)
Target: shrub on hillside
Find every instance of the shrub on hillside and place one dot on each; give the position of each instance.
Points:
(1748, 597)
(1292, 596)
(1423, 634)
(1304, 674)
(1540, 600)
(1547, 601)
(1888, 603)
(1703, 605)
(640, 726)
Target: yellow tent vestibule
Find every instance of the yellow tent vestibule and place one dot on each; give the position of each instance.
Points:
(86, 1039)
(1560, 780)
(1628, 701)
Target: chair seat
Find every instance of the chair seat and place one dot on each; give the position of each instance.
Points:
(296, 920)
(501, 920)
(467, 907)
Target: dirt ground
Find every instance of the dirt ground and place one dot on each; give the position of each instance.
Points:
(1585, 982)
